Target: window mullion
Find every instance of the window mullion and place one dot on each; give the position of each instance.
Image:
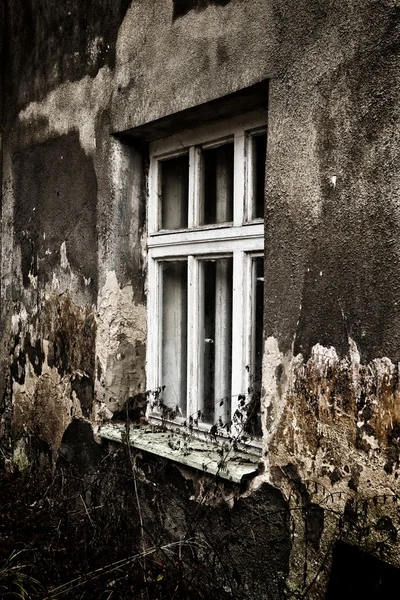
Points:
(249, 169)
(223, 324)
(249, 325)
(239, 183)
(240, 326)
(155, 194)
(194, 186)
(194, 363)
(154, 320)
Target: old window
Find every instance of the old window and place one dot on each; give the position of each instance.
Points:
(206, 277)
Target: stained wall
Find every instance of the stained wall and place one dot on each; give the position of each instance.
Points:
(73, 315)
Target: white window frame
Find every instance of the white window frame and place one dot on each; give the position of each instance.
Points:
(243, 239)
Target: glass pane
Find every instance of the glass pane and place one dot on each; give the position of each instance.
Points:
(174, 192)
(253, 421)
(218, 185)
(259, 154)
(174, 335)
(217, 340)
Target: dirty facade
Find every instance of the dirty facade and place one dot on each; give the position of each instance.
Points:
(85, 92)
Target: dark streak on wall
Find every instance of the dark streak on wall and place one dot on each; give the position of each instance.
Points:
(35, 353)
(55, 202)
(312, 514)
(59, 43)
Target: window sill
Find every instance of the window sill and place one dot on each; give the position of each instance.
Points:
(198, 454)
(202, 431)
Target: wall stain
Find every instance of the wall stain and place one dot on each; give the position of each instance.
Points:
(53, 211)
(71, 331)
(356, 405)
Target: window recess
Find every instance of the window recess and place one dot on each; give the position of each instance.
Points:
(174, 174)
(206, 277)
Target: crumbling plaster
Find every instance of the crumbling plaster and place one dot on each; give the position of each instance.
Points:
(121, 336)
(331, 306)
(338, 422)
(72, 106)
(331, 445)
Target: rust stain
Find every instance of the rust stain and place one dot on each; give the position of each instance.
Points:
(71, 329)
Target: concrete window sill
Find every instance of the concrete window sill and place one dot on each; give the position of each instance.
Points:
(202, 455)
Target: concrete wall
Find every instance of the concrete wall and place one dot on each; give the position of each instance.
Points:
(332, 336)
(73, 323)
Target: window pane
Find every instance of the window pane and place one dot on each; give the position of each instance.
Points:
(174, 334)
(217, 340)
(259, 154)
(218, 185)
(174, 192)
(253, 422)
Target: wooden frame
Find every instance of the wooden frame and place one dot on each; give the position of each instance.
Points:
(242, 239)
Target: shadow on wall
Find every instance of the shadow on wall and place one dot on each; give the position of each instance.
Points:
(356, 574)
(55, 190)
(182, 7)
(58, 43)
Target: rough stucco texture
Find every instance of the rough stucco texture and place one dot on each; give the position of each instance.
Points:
(330, 370)
(212, 49)
(332, 254)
